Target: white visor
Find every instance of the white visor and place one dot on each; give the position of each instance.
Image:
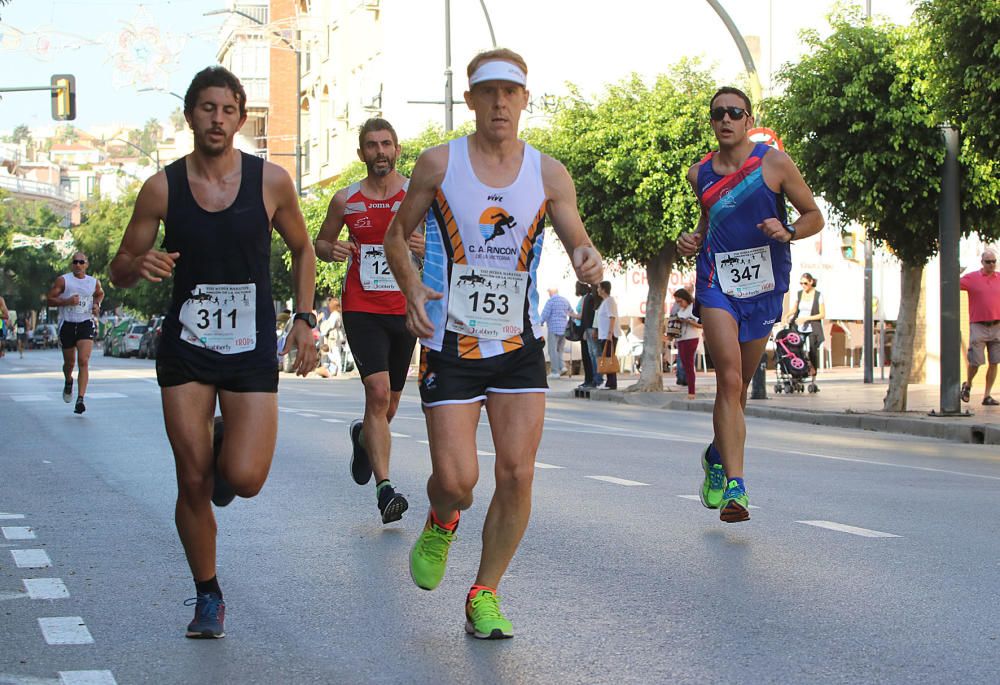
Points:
(498, 70)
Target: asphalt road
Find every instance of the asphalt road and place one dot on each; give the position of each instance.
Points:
(869, 557)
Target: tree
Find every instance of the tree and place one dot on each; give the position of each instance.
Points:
(21, 132)
(857, 119)
(629, 154)
(26, 273)
(177, 120)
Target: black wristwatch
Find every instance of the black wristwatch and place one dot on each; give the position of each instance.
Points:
(308, 317)
(790, 229)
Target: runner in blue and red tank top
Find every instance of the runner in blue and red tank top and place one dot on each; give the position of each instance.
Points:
(744, 260)
(374, 308)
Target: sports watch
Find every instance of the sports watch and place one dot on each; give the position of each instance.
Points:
(308, 317)
(790, 229)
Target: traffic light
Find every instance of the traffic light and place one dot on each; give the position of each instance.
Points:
(848, 243)
(63, 97)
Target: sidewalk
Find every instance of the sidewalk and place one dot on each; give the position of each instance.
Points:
(844, 401)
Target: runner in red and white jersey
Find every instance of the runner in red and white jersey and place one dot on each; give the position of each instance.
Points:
(374, 308)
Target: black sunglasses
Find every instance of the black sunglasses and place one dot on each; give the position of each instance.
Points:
(79, 261)
(989, 261)
(735, 113)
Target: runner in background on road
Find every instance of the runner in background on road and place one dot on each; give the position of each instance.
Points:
(743, 265)
(4, 325)
(485, 198)
(78, 296)
(218, 206)
(374, 310)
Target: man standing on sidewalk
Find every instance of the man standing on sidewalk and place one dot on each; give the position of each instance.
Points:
(744, 261)
(983, 287)
(555, 316)
(374, 318)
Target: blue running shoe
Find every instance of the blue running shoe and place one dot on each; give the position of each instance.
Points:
(209, 615)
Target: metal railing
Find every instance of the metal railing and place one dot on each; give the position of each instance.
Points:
(24, 186)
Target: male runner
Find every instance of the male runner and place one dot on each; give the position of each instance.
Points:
(78, 297)
(218, 206)
(742, 276)
(485, 197)
(4, 325)
(374, 310)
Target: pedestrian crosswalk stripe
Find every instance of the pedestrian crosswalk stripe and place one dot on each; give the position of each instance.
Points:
(65, 630)
(45, 588)
(8, 517)
(31, 558)
(18, 532)
(86, 678)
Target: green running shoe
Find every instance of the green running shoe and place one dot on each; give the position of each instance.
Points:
(429, 556)
(483, 619)
(735, 504)
(714, 485)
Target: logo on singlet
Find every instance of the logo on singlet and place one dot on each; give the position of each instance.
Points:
(727, 201)
(494, 222)
(363, 222)
(379, 205)
(494, 198)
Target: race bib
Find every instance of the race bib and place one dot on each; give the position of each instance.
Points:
(84, 305)
(745, 273)
(221, 317)
(486, 303)
(374, 269)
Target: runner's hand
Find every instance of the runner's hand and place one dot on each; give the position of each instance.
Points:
(73, 300)
(154, 265)
(689, 243)
(775, 230)
(342, 249)
(416, 244)
(587, 264)
(417, 321)
(301, 338)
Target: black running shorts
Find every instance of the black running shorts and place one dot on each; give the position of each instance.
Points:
(445, 379)
(380, 342)
(171, 371)
(71, 332)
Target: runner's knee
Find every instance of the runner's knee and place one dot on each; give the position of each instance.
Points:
(514, 476)
(377, 396)
(730, 382)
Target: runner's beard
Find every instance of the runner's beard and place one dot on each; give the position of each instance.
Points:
(209, 149)
(385, 171)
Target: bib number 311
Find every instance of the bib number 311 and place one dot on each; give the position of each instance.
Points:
(221, 317)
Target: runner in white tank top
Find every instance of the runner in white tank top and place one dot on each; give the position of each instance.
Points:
(485, 199)
(78, 297)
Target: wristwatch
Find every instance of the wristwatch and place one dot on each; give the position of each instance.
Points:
(790, 229)
(308, 317)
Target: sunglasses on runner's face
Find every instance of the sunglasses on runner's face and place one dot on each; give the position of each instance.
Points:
(79, 261)
(735, 113)
(989, 261)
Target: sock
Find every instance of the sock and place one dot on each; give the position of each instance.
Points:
(445, 526)
(210, 585)
(478, 588)
(379, 486)
(713, 458)
(737, 480)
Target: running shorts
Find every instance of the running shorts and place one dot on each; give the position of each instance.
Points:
(380, 342)
(172, 371)
(445, 379)
(755, 318)
(70, 332)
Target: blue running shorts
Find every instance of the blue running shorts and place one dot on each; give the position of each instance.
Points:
(755, 318)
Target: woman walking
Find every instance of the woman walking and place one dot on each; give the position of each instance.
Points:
(687, 341)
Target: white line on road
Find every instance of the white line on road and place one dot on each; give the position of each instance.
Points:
(309, 416)
(484, 453)
(65, 630)
(541, 465)
(617, 481)
(332, 420)
(853, 530)
(45, 588)
(423, 442)
(10, 517)
(398, 435)
(86, 678)
(105, 396)
(32, 398)
(18, 532)
(31, 558)
(11, 594)
(11, 679)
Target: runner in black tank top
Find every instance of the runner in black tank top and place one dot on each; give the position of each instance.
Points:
(218, 341)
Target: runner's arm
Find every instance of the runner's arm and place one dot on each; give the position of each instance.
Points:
(689, 243)
(53, 299)
(329, 247)
(566, 221)
(98, 298)
(136, 259)
(810, 221)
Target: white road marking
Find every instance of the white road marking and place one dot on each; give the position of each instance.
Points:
(424, 442)
(18, 532)
(332, 420)
(11, 679)
(65, 630)
(853, 530)
(540, 465)
(882, 463)
(484, 453)
(698, 499)
(31, 558)
(11, 594)
(32, 398)
(617, 481)
(309, 416)
(10, 517)
(45, 588)
(105, 396)
(398, 435)
(86, 678)
(46, 461)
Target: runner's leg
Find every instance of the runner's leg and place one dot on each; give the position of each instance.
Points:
(84, 348)
(375, 435)
(516, 424)
(451, 432)
(69, 361)
(251, 433)
(722, 341)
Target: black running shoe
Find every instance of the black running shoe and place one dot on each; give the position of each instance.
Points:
(80, 406)
(68, 392)
(209, 616)
(391, 504)
(222, 492)
(361, 467)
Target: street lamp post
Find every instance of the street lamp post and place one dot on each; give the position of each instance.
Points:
(298, 95)
(133, 145)
(869, 315)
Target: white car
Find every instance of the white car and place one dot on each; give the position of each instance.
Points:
(130, 341)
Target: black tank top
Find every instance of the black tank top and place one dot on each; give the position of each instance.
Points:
(232, 246)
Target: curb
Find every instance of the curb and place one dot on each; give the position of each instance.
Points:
(953, 429)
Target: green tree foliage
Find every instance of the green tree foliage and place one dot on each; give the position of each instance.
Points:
(858, 120)
(629, 154)
(21, 132)
(26, 273)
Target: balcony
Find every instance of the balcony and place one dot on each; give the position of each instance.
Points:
(35, 190)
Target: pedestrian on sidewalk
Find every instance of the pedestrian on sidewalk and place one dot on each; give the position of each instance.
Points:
(555, 316)
(744, 262)
(690, 336)
(983, 287)
(586, 309)
(608, 329)
(4, 324)
(808, 313)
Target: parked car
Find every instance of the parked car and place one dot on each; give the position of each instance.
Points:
(150, 341)
(113, 337)
(45, 335)
(129, 346)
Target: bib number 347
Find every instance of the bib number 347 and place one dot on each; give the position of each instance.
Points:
(745, 273)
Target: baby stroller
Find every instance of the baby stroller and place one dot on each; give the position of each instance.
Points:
(791, 366)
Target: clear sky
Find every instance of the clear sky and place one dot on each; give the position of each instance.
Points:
(115, 47)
